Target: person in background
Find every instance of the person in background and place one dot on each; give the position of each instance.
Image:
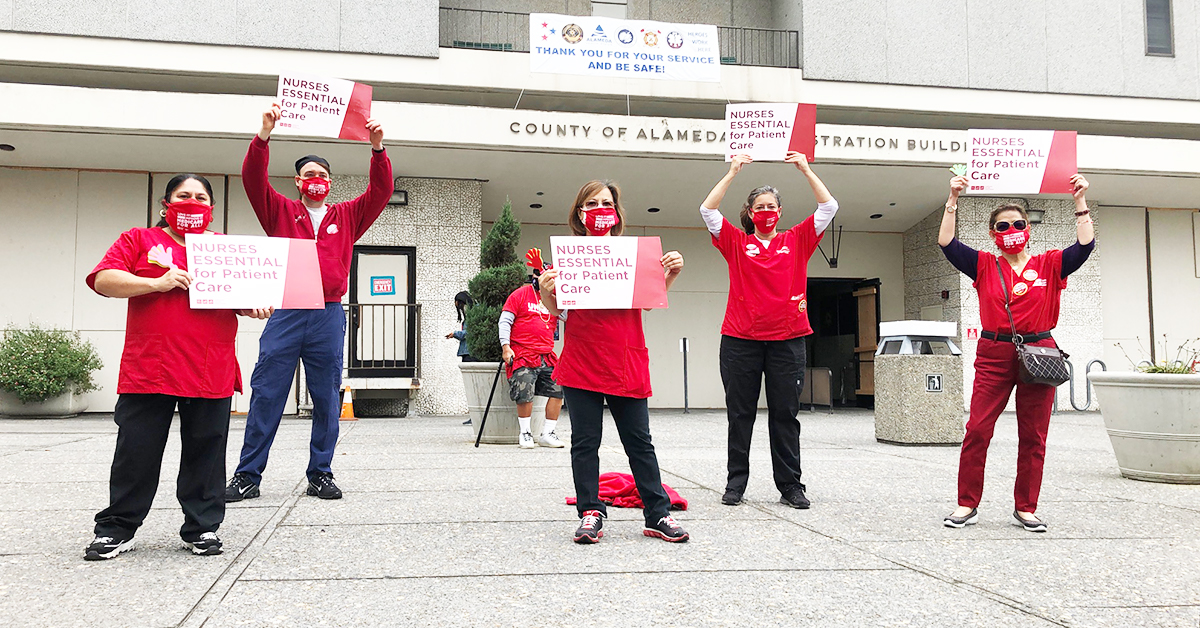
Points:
(174, 357)
(527, 347)
(766, 320)
(605, 360)
(462, 301)
(315, 337)
(1032, 286)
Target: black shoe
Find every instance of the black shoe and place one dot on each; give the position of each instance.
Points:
(731, 498)
(240, 487)
(590, 527)
(1032, 525)
(668, 530)
(207, 545)
(968, 519)
(106, 547)
(321, 485)
(795, 498)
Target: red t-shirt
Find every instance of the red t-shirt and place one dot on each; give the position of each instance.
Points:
(1033, 293)
(767, 287)
(170, 349)
(532, 336)
(605, 351)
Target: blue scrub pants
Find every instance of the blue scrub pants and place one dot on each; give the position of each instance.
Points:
(314, 337)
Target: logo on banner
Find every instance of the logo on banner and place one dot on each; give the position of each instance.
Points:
(572, 33)
(1021, 288)
(650, 38)
(674, 39)
(599, 35)
(625, 36)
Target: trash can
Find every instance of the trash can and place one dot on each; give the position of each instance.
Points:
(918, 384)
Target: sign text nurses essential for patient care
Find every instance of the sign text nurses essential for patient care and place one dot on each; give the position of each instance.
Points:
(323, 107)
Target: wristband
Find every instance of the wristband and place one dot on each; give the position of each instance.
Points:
(1083, 213)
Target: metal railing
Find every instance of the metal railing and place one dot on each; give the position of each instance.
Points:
(383, 339)
(509, 32)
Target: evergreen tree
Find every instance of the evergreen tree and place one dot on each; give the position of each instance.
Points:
(500, 273)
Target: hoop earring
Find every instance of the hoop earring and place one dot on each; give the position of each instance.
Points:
(162, 213)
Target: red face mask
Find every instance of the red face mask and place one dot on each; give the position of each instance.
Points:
(600, 221)
(1012, 241)
(189, 216)
(315, 188)
(765, 220)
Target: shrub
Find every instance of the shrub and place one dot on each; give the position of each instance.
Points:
(1184, 362)
(37, 364)
(501, 272)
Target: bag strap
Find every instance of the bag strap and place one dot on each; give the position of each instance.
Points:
(1017, 339)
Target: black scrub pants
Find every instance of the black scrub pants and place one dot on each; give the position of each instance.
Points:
(744, 363)
(144, 421)
(632, 417)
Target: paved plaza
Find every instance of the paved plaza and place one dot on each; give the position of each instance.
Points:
(433, 532)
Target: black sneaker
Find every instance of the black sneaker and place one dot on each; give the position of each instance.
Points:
(731, 498)
(1032, 525)
(795, 498)
(106, 547)
(590, 527)
(968, 519)
(207, 545)
(668, 530)
(321, 485)
(240, 487)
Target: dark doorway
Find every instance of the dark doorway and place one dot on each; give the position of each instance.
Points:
(843, 329)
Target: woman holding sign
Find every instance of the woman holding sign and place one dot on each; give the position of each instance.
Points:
(766, 320)
(174, 357)
(604, 358)
(1030, 286)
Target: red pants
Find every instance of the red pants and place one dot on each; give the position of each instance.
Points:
(996, 372)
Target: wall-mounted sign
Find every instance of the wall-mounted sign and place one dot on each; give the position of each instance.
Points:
(933, 382)
(383, 285)
(1020, 162)
(604, 46)
(768, 131)
(323, 107)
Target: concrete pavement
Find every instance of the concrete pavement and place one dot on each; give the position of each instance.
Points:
(434, 532)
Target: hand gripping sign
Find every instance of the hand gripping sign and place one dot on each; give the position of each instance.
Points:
(768, 131)
(246, 272)
(612, 273)
(323, 107)
(1020, 162)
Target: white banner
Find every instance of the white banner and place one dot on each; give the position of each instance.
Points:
(236, 272)
(608, 273)
(605, 46)
(322, 106)
(1006, 161)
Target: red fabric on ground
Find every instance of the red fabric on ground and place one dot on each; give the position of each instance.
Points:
(619, 490)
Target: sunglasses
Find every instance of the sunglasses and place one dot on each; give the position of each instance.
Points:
(1004, 226)
(594, 204)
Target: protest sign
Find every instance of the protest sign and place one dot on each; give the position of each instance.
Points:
(323, 107)
(613, 273)
(246, 272)
(768, 131)
(604, 46)
(1020, 162)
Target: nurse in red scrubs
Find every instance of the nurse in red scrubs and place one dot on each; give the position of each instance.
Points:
(174, 357)
(604, 359)
(1032, 285)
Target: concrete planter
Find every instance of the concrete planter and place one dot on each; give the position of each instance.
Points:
(1153, 421)
(66, 405)
(502, 427)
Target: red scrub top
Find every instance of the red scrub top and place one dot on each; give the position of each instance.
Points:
(532, 335)
(170, 349)
(1034, 292)
(605, 351)
(767, 286)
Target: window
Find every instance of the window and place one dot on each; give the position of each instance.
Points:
(1159, 41)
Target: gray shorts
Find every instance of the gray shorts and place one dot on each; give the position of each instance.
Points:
(527, 382)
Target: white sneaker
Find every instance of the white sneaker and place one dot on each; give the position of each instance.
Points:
(525, 440)
(549, 439)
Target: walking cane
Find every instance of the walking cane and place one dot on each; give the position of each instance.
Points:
(483, 421)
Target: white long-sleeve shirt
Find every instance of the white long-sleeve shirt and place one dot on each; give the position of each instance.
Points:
(821, 219)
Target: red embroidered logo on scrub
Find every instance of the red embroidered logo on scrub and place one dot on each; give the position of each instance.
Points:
(161, 256)
(1021, 288)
